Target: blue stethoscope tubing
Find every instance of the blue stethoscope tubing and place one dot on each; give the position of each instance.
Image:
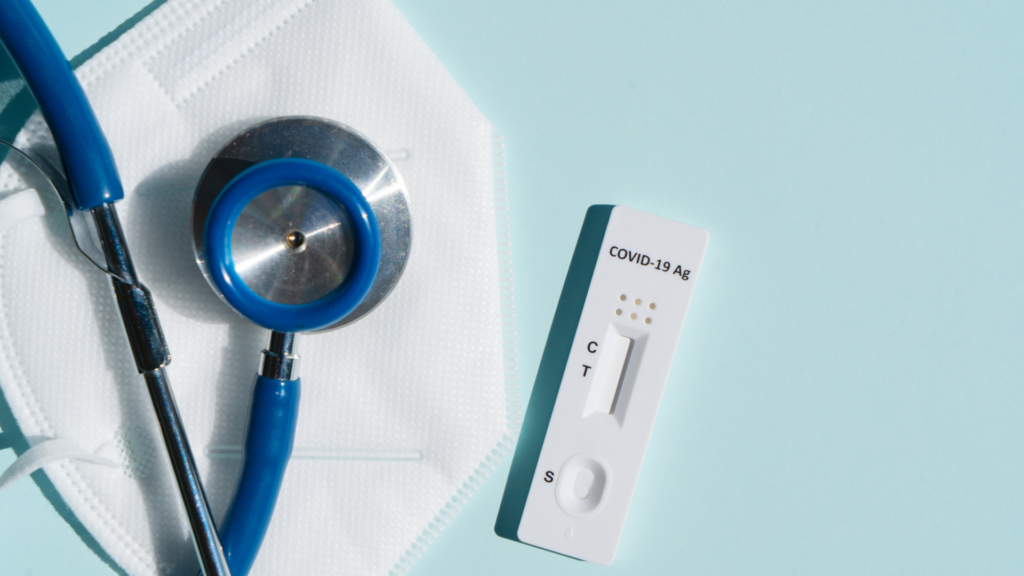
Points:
(266, 449)
(88, 161)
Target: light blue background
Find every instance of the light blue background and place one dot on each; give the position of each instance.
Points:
(847, 397)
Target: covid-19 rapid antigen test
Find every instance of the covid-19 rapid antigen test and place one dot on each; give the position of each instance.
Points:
(600, 382)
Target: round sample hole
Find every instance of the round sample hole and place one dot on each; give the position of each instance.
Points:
(651, 306)
(581, 486)
(622, 296)
(637, 301)
(632, 316)
(618, 312)
(647, 320)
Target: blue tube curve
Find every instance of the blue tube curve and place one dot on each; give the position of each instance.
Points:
(269, 438)
(88, 161)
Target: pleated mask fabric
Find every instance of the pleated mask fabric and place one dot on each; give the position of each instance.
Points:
(404, 413)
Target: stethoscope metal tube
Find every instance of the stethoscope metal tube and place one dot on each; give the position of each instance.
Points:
(134, 300)
(94, 185)
(279, 360)
(151, 356)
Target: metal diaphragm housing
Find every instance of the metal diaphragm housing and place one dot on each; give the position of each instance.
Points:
(292, 245)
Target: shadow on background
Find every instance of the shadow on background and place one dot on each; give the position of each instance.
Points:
(550, 371)
(16, 106)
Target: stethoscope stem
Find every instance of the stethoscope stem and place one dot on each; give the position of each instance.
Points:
(279, 360)
(204, 531)
(138, 312)
(151, 354)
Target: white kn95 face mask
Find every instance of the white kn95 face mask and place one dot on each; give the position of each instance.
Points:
(403, 413)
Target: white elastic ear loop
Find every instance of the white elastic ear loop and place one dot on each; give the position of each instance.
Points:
(44, 453)
(15, 209)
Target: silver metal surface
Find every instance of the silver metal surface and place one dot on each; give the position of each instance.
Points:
(149, 347)
(292, 245)
(135, 302)
(279, 361)
(204, 531)
(339, 147)
(38, 174)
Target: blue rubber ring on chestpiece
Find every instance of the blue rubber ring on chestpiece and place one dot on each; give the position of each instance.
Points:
(243, 189)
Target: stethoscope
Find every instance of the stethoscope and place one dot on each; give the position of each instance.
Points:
(300, 224)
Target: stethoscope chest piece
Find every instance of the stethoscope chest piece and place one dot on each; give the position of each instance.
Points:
(301, 224)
